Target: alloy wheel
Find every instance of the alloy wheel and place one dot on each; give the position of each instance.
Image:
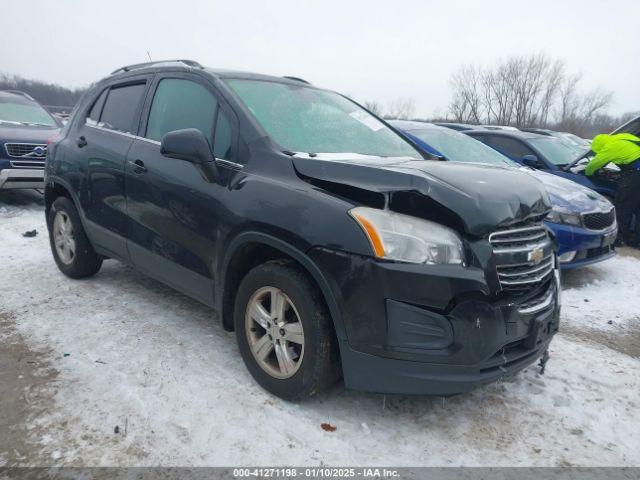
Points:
(274, 332)
(63, 237)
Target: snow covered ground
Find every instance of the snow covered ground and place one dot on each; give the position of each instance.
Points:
(121, 370)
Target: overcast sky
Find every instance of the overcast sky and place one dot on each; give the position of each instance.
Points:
(372, 50)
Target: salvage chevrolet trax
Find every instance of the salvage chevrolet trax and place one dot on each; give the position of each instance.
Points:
(317, 232)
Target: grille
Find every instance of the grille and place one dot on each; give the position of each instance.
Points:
(27, 164)
(29, 150)
(599, 220)
(524, 258)
(538, 303)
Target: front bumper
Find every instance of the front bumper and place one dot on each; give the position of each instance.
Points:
(590, 246)
(433, 330)
(22, 178)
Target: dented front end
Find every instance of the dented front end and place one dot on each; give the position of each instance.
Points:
(443, 329)
(473, 199)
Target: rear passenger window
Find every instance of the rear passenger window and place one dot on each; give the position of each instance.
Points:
(480, 138)
(222, 141)
(179, 104)
(94, 113)
(120, 108)
(510, 147)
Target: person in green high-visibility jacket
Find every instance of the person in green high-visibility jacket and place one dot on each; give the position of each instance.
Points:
(623, 150)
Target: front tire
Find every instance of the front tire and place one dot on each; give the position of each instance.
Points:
(284, 331)
(70, 246)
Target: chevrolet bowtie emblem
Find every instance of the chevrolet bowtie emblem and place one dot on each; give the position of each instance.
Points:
(536, 255)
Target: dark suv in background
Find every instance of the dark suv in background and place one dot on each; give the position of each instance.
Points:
(317, 232)
(25, 129)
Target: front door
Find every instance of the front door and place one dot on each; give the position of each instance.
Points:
(173, 210)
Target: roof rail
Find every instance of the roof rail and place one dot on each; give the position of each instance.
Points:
(297, 79)
(19, 92)
(135, 66)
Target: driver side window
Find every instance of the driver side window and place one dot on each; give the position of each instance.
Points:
(179, 104)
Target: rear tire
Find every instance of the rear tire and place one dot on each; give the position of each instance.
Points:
(70, 246)
(298, 344)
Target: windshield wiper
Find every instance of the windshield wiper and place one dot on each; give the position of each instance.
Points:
(568, 166)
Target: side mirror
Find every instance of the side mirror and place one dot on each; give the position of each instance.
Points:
(532, 161)
(191, 146)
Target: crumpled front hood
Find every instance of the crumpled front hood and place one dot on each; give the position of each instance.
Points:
(483, 197)
(571, 196)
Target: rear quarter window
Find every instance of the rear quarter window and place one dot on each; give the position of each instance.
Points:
(94, 114)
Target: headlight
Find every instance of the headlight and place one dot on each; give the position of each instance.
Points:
(560, 215)
(395, 236)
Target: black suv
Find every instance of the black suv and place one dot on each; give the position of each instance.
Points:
(318, 233)
(25, 129)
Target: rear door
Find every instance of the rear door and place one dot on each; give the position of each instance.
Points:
(174, 212)
(104, 141)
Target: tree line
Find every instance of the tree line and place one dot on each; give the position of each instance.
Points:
(45, 93)
(521, 91)
(527, 91)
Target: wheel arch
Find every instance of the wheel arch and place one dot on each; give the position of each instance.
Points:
(55, 188)
(254, 248)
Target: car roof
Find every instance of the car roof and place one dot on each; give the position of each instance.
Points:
(16, 94)
(508, 133)
(536, 130)
(410, 125)
(454, 124)
(191, 65)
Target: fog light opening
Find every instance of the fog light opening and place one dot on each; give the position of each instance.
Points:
(567, 257)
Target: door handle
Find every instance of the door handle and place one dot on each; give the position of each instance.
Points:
(82, 142)
(138, 166)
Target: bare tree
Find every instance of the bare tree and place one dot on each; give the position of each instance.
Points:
(529, 81)
(555, 75)
(524, 91)
(374, 107)
(499, 92)
(466, 105)
(577, 111)
(595, 102)
(518, 90)
(568, 108)
(401, 108)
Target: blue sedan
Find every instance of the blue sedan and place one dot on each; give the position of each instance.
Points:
(582, 221)
(548, 154)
